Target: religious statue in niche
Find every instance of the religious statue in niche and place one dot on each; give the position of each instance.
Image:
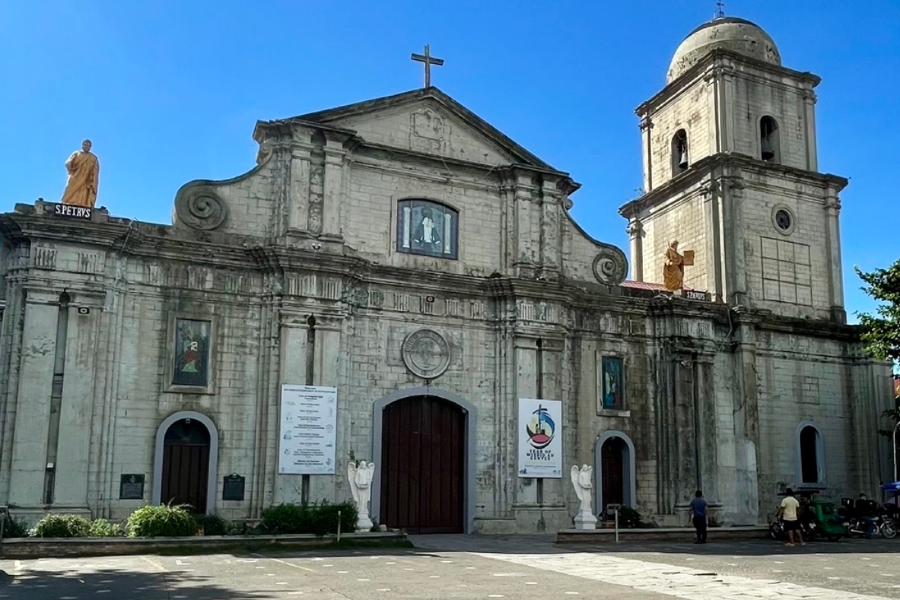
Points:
(673, 266)
(191, 353)
(613, 383)
(84, 176)
(360, 477)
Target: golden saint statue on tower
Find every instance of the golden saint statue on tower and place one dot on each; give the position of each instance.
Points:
(84, 176)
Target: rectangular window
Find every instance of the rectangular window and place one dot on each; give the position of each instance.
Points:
(612, 383)
(427, 228)
(191, 353)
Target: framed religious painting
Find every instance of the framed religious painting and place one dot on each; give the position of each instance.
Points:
(190, 354)
(612, 383)
(427, 228)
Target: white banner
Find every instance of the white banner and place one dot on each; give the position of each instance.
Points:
(540, 438)
(308, 430)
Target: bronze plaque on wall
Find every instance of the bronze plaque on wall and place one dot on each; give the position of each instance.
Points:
(131, 487)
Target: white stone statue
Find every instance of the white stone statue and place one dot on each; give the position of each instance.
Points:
(360, 485)
(581, 480)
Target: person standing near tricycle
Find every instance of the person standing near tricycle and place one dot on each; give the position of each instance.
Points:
(788, 513)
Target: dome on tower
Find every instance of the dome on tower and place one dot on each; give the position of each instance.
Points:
(729, 33)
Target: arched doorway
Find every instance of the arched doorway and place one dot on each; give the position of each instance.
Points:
(423, 449)
(810, 455)
(614, 470)
(184, 472)
(612, 455)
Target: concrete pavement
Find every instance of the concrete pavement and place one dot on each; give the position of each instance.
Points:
(470, 567)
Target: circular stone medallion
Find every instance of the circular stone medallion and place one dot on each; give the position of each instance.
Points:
(426, 353)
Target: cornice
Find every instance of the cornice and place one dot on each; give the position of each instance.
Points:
(688, 77)
(705, 168)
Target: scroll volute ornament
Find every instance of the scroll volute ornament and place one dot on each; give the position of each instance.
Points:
(610, 266)
(198, 206)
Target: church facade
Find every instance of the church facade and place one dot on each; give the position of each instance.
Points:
(407, 254)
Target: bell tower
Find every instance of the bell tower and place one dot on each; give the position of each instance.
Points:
(731, 173)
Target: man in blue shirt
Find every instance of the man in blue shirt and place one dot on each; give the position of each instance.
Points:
(699, 516)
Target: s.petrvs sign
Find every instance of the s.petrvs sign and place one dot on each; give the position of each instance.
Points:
(76, 212)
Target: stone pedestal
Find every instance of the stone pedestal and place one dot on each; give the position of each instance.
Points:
(364, 523)
(585, 520)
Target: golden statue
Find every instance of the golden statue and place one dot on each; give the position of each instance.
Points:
(84, 176)
(673, 268)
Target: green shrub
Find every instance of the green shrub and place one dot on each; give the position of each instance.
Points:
(14, 528)
(103, 528)
(61, 526)
(214, 525)
(159, 521)
(318, 519)
(629, 518)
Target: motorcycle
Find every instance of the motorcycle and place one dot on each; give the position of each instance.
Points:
(808, 530)
(817, 518)
(857, 527)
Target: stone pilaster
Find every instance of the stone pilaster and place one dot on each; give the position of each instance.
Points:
(551, 216)
(326, 372)
(527, 387)
(527, 225)
(334, 182)
(636, 241)
(79, 388)
(298, 210)
(32, 417)
(294, 338)
(685, 472)
(833, 248)
(745, 415)
(647, 152)
(721, 79)
(812, 152)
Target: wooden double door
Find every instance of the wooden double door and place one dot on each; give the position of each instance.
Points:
(423, 465)
(185, 471)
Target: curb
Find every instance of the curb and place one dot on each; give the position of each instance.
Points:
(69, 547)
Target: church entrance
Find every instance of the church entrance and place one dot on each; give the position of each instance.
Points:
(185, 465)
(423, 465)
(612, 454)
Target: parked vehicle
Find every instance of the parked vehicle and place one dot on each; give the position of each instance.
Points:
(824, 518)
(858, 527)
(817, 517)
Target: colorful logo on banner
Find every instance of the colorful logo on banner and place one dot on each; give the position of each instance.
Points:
(541, 429)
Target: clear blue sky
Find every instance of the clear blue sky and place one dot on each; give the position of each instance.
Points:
(169, 90)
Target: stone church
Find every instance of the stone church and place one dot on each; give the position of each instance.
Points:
(427, 267)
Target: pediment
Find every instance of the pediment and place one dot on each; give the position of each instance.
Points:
(430, 122)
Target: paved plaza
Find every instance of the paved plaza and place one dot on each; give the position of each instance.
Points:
(470, 567)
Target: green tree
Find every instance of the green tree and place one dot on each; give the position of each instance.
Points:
(881, 331)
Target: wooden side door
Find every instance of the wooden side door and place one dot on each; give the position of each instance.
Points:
(185, 473)
(613, 476)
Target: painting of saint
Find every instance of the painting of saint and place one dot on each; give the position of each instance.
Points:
(427, 228)
(613, 383)
(191, 353)
(427, 236)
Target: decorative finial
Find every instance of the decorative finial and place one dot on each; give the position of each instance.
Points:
(720, 11)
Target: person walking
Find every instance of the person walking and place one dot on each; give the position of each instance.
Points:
(788, 512)
(699, 516)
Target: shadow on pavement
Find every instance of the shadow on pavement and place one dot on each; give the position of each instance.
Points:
(546, 544)
(37, 584)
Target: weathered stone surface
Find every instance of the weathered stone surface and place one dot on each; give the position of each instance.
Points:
(299, 273)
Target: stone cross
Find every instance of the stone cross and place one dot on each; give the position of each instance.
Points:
(428, 60)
